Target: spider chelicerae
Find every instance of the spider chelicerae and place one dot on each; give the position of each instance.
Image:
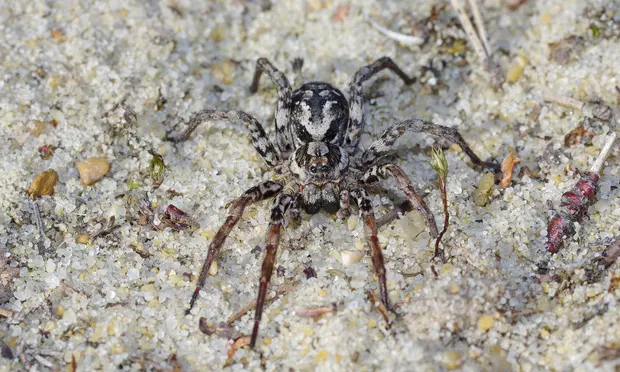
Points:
(317, 131)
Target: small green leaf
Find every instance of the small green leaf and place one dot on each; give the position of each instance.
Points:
(156, 169)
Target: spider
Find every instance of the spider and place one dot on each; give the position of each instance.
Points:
(315, 155)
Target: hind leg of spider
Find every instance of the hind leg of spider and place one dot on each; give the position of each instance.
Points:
(380, 172)
(280, 206)
(370, 232)
(283, 108)
(384, 144)
(254, 194)
(356, 99)
(260, 141)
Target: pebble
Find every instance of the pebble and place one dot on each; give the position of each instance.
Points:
(92, 170)
(485, 322)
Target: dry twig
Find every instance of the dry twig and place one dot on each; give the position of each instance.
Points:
(380, 306)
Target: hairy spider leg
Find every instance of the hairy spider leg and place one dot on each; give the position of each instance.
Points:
(356, 99)
(260, 141)
(283, 108)
(254, 194)
(384, 171)
(370, 232)
(280, 206)
(384, 144)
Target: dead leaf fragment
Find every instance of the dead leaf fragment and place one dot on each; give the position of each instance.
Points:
(507, 167)
(341, 13)
(239, 343)
(43, 183)
(380, 306)
(316, 312)
(577, 136)
(563, 50)
(92, 170)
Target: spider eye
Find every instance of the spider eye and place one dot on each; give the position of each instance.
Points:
(313, 169)
(325, 168)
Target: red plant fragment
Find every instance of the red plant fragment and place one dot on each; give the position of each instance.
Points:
(573, 208)
(177, 219)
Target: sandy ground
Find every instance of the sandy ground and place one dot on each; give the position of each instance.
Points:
(116, 301)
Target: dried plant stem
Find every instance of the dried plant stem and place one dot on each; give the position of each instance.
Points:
(401, 38)
(598, 164)
(478, 46)
(564, 101)
(446, 220)
(252, 305)
(475, 9)
(37, 217)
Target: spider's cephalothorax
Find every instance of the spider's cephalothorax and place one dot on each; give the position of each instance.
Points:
(316, 135)
(319, 112)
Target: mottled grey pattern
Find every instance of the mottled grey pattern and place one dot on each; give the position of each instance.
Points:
(316, 164)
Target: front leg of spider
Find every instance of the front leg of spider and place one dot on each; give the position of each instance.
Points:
(384, 144)
(367, 215)
(384, 171)
(283, 107)
(356, 96)
(255, 194)
(260, 141)
(278, 211)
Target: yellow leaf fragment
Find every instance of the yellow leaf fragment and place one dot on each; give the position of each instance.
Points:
(507, 167)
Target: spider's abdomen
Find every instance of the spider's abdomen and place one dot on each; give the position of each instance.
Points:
(320, 113)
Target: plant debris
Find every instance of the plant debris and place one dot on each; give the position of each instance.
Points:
(575, 203)
(507, 168)
(341, 13)
(46, 151)
(177, 219)
(316, 312)
(577, 136)
(43, 183)
(563, 50)
(439, 163)
(239, 343)
(156, 169)
(380, 306)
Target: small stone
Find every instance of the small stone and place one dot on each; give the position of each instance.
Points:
(351, 257)
(352, 223)
(60, 311)
(321, 356)
(451, 359)
(213, 268)
(82, 239)
(43, 183)
(485, 322)
(36, 127)
(516, 69)
(92, 170)
(133, 274)
(481, 197)
(446, 268)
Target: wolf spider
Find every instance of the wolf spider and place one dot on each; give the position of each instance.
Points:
(315, 155)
